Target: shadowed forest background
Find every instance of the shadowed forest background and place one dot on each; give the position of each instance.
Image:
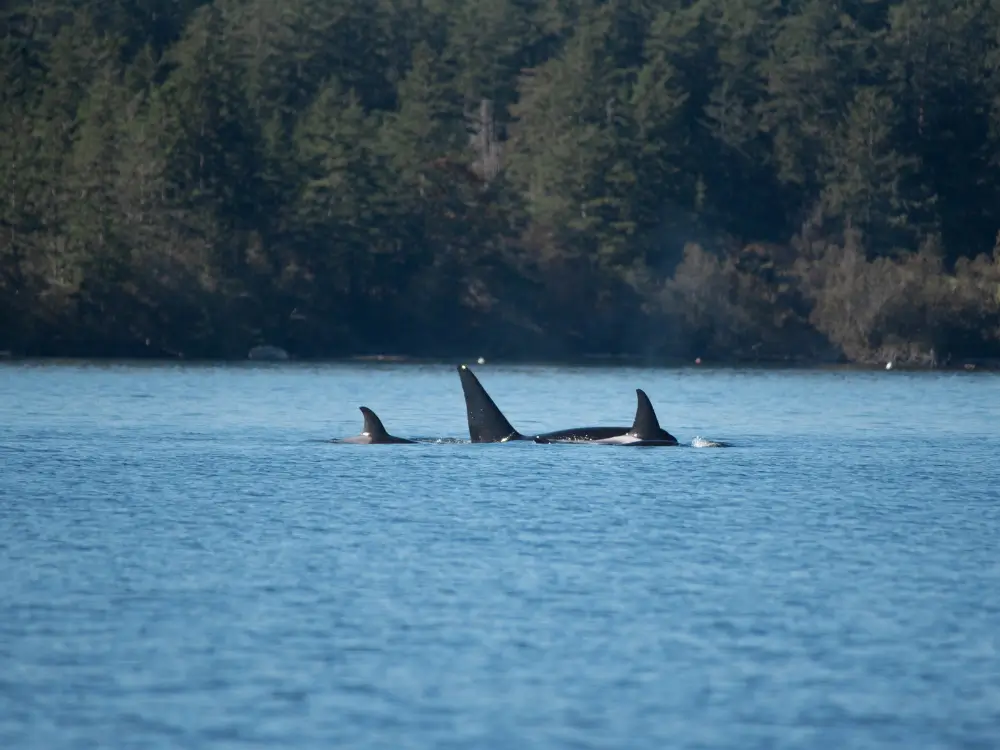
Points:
(721, 178)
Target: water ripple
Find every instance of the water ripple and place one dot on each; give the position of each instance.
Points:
(187, 562)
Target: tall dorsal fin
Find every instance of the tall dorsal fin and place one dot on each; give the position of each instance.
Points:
(373, 425)
(487, 424)
(646, 426)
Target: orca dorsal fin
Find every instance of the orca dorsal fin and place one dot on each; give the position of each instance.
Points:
(487, 424)
(646, 426)
(373, 425)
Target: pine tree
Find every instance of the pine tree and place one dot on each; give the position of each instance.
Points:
(563, 149)
(212, 140)
(934, 56)
(338, 202)
(870, 186)
(805, 93)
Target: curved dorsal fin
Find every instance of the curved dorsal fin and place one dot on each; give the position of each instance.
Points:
(646, 426)
(373, 425)
(487, 424)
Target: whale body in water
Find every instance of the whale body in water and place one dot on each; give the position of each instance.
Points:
(487, 424)
(373, 432)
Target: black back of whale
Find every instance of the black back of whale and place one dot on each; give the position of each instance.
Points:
(645, 430)
(487, 424)
(374, 433)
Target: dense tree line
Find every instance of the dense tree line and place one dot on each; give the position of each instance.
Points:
(727, 178)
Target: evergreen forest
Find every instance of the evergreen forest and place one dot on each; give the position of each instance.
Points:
(729, 179)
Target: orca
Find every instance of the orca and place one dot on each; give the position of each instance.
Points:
(373, 433)
(487, 424)
(645, 431)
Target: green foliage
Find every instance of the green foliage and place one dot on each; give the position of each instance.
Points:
(739, 177)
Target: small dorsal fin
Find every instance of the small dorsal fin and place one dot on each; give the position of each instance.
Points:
(646, 426)
(373, 425)
(487, 424)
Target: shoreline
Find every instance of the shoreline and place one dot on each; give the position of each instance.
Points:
(583, 360)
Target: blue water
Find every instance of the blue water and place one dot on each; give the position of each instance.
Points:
(185, 563)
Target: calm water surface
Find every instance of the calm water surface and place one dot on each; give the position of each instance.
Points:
(184, 562)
